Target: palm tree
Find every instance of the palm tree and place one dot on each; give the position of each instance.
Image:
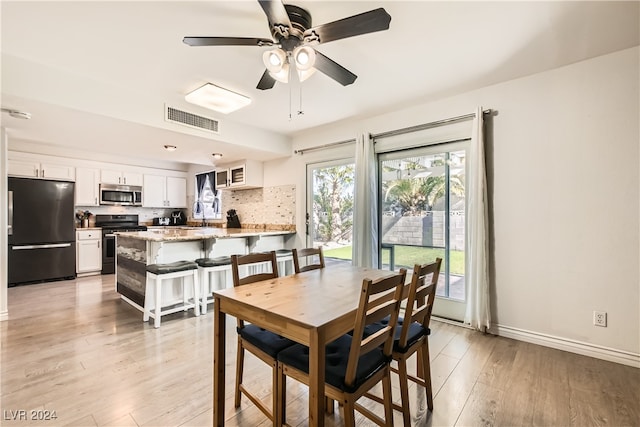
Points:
(421, 194)
(333, 203)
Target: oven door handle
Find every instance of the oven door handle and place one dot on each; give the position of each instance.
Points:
(110, 235)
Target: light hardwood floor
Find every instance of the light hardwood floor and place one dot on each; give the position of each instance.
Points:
(75, 348)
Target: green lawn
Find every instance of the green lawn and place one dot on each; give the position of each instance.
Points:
(407, 256)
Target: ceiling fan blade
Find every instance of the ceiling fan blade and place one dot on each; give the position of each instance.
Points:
(367, 22)
(227, 41)
(334, 70)
(266, 81)
(277, 15)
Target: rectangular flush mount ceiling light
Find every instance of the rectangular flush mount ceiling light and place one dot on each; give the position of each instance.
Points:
(218, 99)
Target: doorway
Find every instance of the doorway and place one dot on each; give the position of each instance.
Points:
(329, 217)
(422, 217)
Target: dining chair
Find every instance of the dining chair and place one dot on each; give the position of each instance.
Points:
(306, 253)
(262, 343)
(353, 364)
(411, 336)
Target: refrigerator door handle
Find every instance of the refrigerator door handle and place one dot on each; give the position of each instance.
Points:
(49, 246)
(10, 214)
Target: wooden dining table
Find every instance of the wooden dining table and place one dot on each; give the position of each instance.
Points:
(312, 308)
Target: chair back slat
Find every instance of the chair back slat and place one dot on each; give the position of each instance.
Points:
(252, 259)
(305, 253)
(370, 309)
(420, 298)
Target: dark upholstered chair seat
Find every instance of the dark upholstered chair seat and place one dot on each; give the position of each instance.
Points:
(416, 331)
(214, 262)
(172, 267)
(267, 341)
(337, 356)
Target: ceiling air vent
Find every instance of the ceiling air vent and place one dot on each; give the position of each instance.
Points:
(192, 120)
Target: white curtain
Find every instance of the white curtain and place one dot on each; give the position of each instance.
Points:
(365, 210)
(478, 313)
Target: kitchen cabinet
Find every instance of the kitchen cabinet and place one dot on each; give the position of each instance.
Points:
(109, 176)
(42, 170)
(248, 174)
(87, 186)
(222, 177)
(164, 192)
(88, 251)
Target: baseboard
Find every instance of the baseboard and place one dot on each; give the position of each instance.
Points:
(451, 322)
(572, 346)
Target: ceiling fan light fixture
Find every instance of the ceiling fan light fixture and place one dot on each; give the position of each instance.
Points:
(305, 74)
(305, 57)
(217, 98)
(282, 75)
(274, 60)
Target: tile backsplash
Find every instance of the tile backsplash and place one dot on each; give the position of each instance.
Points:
(145, 215)
(267, 205)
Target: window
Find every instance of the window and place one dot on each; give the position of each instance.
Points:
(208, 200)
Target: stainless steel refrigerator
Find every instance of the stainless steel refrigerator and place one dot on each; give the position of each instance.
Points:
(41, 231)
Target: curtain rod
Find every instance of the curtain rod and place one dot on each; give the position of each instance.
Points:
(397, 131)
(428, 125)
(320, 147)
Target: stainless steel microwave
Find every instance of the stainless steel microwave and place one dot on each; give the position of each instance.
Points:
(121, 195)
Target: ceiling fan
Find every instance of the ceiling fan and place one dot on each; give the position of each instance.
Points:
(294, 37)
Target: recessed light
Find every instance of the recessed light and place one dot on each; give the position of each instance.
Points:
(217, 98)
(17, 114)
(217, 156)
(170, 147)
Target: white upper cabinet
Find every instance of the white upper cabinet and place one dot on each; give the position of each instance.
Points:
(248, 174)
(177, 192)
(42, 170)
(110, 176)
(153, 191)
(222, 178)
(164, 192)
(87, 186)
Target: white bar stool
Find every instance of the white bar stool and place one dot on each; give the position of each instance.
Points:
(218, 269)
(156, 273)
(284, 258)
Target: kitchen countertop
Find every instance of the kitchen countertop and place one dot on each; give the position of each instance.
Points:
(187, 234)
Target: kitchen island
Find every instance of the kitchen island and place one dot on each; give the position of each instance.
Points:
(136, 250)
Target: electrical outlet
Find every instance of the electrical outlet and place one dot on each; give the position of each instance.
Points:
(600, 318)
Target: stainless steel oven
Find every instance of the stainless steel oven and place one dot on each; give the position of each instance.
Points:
(110, 224)
(120, 195)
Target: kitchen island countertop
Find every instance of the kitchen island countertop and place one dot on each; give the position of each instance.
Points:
(188, 234)
(135, 250)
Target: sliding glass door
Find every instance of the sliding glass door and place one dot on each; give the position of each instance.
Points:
(329, 217)
(422, 204)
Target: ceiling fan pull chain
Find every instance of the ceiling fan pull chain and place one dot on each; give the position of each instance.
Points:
(300, 110)
(290, 102)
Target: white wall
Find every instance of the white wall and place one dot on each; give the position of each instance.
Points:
(563, 161)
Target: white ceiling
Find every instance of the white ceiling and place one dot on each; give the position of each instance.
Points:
(96, 75)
